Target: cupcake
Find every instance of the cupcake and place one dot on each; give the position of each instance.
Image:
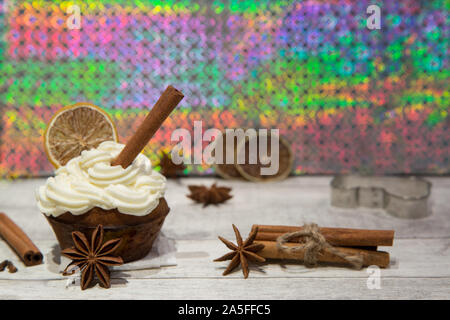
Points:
(89, 191)
(103, 182)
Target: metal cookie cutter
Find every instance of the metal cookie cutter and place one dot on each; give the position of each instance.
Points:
(403, 197)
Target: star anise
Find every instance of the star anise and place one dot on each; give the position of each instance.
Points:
(243, 251)
(168, 168)
(211, 195)
(94, 256)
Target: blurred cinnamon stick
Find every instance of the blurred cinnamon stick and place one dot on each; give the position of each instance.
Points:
(19, 241)
(334, 236)
(378, 258)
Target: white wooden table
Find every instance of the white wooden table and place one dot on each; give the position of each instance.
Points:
(420, 256)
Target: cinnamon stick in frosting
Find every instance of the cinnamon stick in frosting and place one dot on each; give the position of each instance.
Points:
(19, 241)
(159, 113)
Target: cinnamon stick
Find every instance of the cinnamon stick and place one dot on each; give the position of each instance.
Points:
(334, 236)
(19, 241)
(378, 258)
(160, 111)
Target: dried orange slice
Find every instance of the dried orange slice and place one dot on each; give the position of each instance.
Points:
(227, 171)
(76, 128)
(252, 172)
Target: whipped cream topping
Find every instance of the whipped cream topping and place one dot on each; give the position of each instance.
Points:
(89, 181)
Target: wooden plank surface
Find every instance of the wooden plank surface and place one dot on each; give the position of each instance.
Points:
(222, 289)
(420, 256)
(195, 260)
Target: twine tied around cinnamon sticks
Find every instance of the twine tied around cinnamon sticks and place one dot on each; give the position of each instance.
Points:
(314, 243)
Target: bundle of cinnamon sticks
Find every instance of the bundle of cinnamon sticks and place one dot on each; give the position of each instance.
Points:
(349, 241)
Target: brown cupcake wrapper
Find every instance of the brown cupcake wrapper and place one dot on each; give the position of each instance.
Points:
(137, 233)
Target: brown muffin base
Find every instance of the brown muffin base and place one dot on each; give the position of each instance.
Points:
(137, 232)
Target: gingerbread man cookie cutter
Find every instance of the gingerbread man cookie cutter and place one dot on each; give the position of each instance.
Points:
(403, 197)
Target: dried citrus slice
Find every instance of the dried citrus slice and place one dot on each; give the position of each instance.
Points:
(252, 172)
(227, 171)
(76, 128)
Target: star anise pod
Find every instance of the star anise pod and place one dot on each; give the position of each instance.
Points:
(207, 196)
(243, 251)
(168, 168)
(94, 256)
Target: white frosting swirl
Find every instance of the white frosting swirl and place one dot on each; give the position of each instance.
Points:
(89, 181)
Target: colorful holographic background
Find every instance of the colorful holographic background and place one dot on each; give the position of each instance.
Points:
(349, 99)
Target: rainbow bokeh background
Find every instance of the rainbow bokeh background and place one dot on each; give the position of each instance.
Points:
(349, 99)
